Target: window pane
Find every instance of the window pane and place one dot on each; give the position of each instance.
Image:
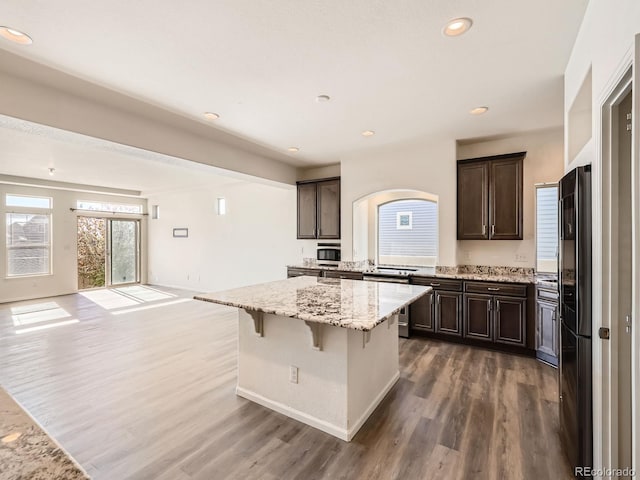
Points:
(408, 232)
(109, 207)
(28, 261)
(547, 228)
(25, 201)
(28, 244)
(123, 251)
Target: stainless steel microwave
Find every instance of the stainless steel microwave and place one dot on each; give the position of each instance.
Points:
(328, 252)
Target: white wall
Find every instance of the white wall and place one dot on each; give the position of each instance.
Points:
(252, 243)
(64, 277)
(605, 44)
(426, 165)
(543, 163)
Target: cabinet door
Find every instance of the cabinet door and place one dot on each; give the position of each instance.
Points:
(477, 317)
(505, 199)
(448, 313)
(547, 328)
(307, 209)
(473, 202)
(421, 313)
(510, 320)
(329, 209)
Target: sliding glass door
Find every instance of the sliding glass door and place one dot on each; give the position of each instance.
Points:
(108, 252)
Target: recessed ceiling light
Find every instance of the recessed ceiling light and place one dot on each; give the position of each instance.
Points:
(323, 98)
(368, 133)
(211, 116)
(457, 26)
(52, 171)
(478, 110)
(15, 36)
(293, 149)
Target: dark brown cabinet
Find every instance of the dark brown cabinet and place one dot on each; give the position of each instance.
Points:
(421, 313)
(547, 325)
(440, 310)
(490, 315)
(490, 197)
(299, 272)
(477, 317)
(343, 274)
(448, 313)
(319, 209)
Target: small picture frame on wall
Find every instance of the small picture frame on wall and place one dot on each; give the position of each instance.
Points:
(180, 233)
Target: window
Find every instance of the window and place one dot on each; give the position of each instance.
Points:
(408, 233)
(547, 228)
(27, 201)
(28, 244)
(108, 207)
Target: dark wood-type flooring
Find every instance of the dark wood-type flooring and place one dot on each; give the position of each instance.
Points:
(142, 387)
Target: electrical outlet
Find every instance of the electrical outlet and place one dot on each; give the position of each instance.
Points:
(520, 257)
(293, 374)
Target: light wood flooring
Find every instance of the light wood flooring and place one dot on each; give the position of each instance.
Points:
(142, 387)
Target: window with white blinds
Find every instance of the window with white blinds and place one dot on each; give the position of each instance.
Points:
(547, 228)
(408, 233)
(28, 244)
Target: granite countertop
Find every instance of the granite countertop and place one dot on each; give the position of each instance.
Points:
(484, 274)
(343, 303)
(26, 451)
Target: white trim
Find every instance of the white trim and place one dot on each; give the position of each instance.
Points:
(345, 434)
(604, 356)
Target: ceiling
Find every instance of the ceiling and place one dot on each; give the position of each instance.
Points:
(29, 150)
(261, 63)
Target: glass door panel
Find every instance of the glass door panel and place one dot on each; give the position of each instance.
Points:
(124, 251)
(92, 252)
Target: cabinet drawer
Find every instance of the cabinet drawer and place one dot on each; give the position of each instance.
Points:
(515, 290)
(298, 272)
(547, 294)
(438, 283)
(342, 274)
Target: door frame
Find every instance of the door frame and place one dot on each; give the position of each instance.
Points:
(605, 352)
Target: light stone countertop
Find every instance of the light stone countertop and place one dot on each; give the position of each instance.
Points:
(495, 274)
(354, 304)
(27, 452)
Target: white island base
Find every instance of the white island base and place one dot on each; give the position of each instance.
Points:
(343, 374)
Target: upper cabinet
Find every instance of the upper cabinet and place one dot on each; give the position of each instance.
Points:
(319, 209)
(490, 197)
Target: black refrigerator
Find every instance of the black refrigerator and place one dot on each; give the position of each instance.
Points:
(574, 277)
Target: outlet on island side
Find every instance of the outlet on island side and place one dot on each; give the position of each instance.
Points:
(293, 374)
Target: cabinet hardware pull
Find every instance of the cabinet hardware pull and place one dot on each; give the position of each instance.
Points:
(493, 289)
(439, 297)
(493, 229)
(434, 284)
(497, 305)
(484, 229)
(489, 306)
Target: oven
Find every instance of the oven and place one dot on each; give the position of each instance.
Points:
(328, 254)
(403, 314)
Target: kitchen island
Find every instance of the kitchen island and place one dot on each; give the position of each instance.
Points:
(321, 351)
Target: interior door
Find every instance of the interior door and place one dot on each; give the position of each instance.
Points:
(124, 251)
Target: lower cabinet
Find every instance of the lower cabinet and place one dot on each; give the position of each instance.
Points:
(509, 320)
(343, 274)
(477, 317)
(448, 313)
(547, 325)
(440, 310)
(421, 313)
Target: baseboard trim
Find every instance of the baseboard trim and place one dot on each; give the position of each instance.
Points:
(335, 430)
